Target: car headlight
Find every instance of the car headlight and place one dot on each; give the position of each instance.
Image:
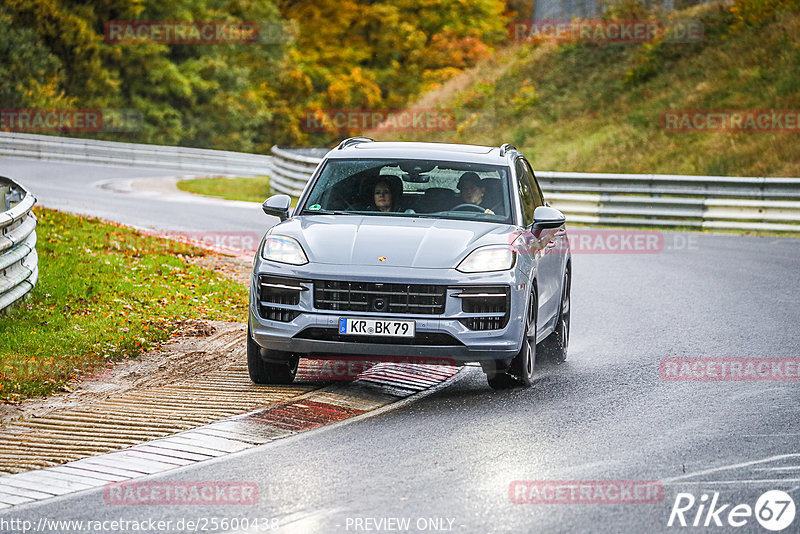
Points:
(486, 259)
(283, 249)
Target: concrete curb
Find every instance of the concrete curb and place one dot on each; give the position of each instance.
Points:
(328, 405)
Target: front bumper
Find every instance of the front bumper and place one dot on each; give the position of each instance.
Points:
(314, 332)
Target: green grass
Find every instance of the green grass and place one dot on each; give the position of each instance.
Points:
(105, 293)
(251, 189)
(597, 107)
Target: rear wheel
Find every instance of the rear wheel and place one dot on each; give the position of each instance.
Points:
(554, 347)
(270, 366)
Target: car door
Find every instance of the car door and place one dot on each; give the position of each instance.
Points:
(542, 244)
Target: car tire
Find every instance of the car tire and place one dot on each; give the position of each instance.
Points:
(497, 377)
(520, 372)
(554, 347)
(264, 372)
(524, 362)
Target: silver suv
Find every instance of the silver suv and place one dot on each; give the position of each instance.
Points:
(413, 250)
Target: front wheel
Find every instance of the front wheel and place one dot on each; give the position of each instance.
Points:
(280, 369)
(497, 377)
(520, 372)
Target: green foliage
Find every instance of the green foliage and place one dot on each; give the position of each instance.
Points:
(758, 12)
(316, 55)
(210, 95)
(356, 54)
(31, 73)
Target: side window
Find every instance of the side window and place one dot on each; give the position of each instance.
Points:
(526, 192)
(537, 191)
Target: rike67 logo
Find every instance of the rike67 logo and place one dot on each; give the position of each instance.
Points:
(774, 510)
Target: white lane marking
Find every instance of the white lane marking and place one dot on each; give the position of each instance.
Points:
(789, 468)
(709, 482)
(732, 466)
(771, 435)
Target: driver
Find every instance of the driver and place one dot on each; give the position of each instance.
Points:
(472, 192)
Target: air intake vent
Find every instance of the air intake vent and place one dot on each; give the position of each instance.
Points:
(275, 292)
(490, 302)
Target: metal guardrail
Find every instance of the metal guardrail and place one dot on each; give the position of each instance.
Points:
(661, 200)
(54, 148)
(19, 263)
(291, 169)
(718, 202)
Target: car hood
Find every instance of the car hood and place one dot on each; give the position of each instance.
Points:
(391, 241)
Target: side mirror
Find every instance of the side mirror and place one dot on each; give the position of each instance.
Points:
(278, 206)
(547, 217)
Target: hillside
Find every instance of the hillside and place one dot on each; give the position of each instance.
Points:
(598, 106)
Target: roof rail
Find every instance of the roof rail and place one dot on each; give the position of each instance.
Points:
(354, 141)
(506, 147)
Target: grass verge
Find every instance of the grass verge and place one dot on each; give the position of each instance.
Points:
(105, 293)
(250, 188)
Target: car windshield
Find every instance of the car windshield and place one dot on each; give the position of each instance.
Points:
(411, 188)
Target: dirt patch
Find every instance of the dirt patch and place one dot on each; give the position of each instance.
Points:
(196, 348)
(236, 269)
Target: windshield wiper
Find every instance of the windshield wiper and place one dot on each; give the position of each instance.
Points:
(326, 212)
(421, 215)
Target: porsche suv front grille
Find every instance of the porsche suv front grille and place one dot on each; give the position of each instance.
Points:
(379, 297)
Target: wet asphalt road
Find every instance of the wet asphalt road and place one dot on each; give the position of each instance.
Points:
(86, 189)
(448, 459)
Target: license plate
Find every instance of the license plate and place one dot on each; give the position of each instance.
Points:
(376, 327)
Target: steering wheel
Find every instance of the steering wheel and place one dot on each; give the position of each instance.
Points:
(468, 207)
(342, 199)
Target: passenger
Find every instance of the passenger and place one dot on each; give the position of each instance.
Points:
(383, 197)
(472, 192)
